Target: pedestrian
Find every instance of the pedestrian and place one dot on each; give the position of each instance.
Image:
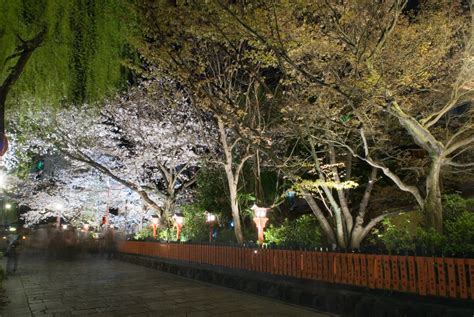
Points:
(12, 254)
(110, 243)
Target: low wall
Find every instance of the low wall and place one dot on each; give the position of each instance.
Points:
(426, 276)
(338, 299)
(249, 270)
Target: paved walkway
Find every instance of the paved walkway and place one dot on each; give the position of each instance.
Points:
(97, 287)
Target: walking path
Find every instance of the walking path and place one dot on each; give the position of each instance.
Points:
(93, 286)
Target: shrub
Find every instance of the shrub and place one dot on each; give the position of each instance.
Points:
(460, 234)
(400, 233)
(304, 232)
(195, 227)
(144, 234)
(454, 205)
(397, 237)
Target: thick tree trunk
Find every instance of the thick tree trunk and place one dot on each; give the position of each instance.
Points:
(433, 207)
(232, 181)
(357, 236)
(234, 205)
(327, 230)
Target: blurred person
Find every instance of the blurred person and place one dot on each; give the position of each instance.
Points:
(12, 255)
(110, 243)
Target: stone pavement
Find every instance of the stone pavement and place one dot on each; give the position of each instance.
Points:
(94, 286)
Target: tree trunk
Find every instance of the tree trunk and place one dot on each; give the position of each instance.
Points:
(356, 237)
(327, 230)
(23, 52)
(433, 207)
(235, 209)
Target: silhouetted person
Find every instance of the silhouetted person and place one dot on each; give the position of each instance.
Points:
(110, 243)
(12, 254)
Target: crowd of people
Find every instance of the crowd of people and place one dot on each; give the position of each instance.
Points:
(60, 243)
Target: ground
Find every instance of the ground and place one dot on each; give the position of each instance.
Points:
(95, 286)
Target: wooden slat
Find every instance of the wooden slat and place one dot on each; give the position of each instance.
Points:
(451, 269)
(412, 274)
(462, 278)
(470, 265)
(320, 257)
(441, 276)
(343, 267)
(357, 270)
(395, 278)
(378, 267)
(371, 261)
(350, 269)
(402, 263)
(431, 272)
(387, 276)
(363, 270)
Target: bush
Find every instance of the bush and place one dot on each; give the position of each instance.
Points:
(144, 234)
(460, 234)
(303, 232)
(400, 233)
(454, 205)
(195, 227)
(397, 237)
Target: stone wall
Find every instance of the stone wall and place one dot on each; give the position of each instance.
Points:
(339, 299)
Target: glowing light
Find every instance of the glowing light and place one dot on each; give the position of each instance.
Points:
(8, 206)
(211, 217)
(58, 206)
(260, 212)
(64, 227)
(12, 229)
(179, 219)
(23, 237)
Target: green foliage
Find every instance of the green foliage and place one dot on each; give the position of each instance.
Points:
(246, 201)
(195, 227)
(397, 237)
(81, 58)
(455, 204)
(211, 189)
(304, 231)
(460, 234)
(458, 237)
(144, 234)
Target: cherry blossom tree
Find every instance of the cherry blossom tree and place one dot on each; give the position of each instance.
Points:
(149, 140)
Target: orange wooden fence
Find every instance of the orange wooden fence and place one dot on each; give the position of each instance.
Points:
(446, 277)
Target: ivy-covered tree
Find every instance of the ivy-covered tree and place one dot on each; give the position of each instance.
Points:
(84, 45)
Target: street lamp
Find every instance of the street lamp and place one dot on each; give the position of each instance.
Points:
(8, 206)
(260, 220)
(179, 220)
(211, 220)
(154, 221)
(64, 226)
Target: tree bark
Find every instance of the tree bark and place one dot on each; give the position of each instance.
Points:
(234, 205)
(328, 232)
(23, 52)
(232, 181)
(433, 207)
